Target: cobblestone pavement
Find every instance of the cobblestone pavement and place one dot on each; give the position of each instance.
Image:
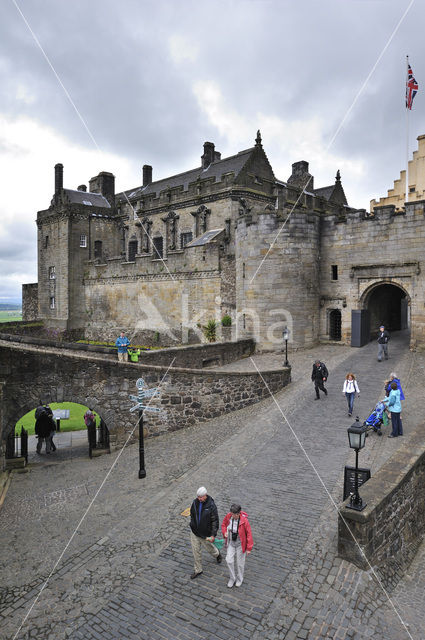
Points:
(125, 574)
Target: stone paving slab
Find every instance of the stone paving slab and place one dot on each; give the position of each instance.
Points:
(126, 573)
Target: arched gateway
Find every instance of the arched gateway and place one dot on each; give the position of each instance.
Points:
(387, 304)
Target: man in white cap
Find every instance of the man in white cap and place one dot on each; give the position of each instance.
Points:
(204, 526)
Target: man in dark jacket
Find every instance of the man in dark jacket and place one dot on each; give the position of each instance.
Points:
(44, 426)
(204, 525)
(319, 376)
(383, 337)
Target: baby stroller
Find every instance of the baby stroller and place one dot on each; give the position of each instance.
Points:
(377, 418)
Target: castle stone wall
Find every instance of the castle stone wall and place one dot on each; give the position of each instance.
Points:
(277, 278)
(29, 302)
(386, 248)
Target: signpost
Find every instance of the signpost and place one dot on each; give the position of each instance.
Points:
(142, 395)
(60, 414)
(363, 476)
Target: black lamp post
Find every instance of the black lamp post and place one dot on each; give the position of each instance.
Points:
(142, 470)
(356, 438)
(285, 335)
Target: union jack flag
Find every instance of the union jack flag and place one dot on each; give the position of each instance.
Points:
(411, 88)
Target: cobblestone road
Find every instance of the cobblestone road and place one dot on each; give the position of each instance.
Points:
(125, 573)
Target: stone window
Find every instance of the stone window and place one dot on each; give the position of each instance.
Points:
(412, 190)
(97, 249)
(52, 302)
(185, 238)
(132, 250)
(46, 242)
(243, 270)
(83, 240)
(52, 273)
(334, 272)
(158, 247)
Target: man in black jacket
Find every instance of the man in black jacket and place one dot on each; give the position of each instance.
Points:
(44, 426)
(319, 376)
(383, 337)
(204, 527)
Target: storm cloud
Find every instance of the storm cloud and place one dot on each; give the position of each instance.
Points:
(153, 80)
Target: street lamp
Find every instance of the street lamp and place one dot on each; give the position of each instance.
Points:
(285, 335)
(356, 438)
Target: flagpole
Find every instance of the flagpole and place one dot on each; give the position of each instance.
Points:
(407, 133)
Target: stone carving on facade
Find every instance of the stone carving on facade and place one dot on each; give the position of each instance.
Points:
(146, 234)
(244, 209)
(201, 220)
(171, 230)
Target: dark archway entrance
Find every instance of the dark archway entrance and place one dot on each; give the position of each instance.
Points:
(388, 304)
(335, 324)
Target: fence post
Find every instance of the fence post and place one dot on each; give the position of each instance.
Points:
(24, 444)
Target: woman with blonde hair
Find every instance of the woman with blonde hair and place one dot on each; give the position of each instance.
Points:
(350, 389)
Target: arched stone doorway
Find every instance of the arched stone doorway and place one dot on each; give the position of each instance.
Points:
(387, 304)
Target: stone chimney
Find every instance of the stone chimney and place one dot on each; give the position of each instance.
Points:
(82, 187)
(104, 183)
(58, 177)
(300, 176)
(147, 174)
(209, 154)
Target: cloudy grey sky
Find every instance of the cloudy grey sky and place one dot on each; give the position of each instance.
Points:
(153, 80)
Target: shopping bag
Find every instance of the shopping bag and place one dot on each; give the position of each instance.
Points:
(218, 543)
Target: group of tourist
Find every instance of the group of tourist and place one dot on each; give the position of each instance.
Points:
(236, 530)
(393, 391)
(45, 428)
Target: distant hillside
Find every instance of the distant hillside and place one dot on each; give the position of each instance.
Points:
(6, 306)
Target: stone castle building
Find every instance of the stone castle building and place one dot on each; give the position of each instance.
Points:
(416, 182)
(228, 238)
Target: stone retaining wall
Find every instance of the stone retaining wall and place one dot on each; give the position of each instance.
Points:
(391, 527)
(32, 374)
(213, 354)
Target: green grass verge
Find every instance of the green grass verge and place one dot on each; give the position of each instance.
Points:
(9, 316)
(75, 422)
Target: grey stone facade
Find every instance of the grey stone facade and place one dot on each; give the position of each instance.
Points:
(279, 254)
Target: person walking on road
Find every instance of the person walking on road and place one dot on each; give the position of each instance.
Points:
(394, 405)
(122, 344)
(350, 389)
(237, 532)
(383, 338)
(319, 376)
(204, 526)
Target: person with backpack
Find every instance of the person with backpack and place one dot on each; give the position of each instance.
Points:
(44, 425)
(350, 389)
(319, 376)
(90, 422)
(237, 532)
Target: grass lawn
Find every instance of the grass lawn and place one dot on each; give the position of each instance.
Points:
(10, 316)
(75, 422)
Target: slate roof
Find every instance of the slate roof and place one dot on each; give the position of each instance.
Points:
(214, 170)
(325, 192)
(87, 198)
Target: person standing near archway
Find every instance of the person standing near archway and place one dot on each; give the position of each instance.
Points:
(383, 338)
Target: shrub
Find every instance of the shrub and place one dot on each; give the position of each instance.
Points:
(226, 321)
(210, 330)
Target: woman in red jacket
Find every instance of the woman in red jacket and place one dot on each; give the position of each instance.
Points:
(237, 531)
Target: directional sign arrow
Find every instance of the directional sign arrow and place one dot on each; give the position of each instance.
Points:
(145, 408)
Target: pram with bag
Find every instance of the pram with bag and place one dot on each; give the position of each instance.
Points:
(377, 418)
